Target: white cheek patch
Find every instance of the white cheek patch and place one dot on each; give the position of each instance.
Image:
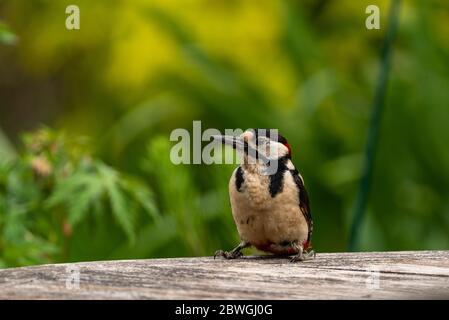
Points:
(276, 150)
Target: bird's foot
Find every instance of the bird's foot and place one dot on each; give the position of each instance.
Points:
(303, 255)
(310, 254)
(234, 254)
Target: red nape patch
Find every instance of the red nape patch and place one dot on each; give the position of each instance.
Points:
(289, 149)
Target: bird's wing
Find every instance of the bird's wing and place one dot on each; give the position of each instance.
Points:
(304, 205)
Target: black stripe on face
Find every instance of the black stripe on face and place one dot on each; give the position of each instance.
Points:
(239, 179)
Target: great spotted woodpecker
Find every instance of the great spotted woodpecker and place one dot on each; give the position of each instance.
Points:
(269, 202)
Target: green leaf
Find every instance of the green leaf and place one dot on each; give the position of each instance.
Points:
(117, 200)
(142, 195)
(67, 189)
(79, 205)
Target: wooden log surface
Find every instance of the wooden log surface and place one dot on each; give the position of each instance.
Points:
(373, 275)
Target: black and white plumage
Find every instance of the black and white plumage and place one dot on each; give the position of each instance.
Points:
(271, 209)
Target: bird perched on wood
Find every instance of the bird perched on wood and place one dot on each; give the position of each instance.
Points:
(269, 202)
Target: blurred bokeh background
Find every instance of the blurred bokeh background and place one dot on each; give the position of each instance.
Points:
(85, 118)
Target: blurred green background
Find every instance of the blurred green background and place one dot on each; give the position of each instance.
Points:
(85, 118)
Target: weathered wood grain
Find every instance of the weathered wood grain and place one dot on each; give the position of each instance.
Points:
(401, 275)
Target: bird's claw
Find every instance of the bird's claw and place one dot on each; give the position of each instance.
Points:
(303, 256)
(297, 258)
(228, 254)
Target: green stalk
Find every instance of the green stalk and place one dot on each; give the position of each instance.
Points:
(373, 133)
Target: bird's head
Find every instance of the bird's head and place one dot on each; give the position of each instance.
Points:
(259, 146)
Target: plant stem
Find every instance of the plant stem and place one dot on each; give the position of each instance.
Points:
(373, 133)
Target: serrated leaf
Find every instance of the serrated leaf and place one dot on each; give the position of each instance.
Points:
(79, 205)
(119, 210)
(117, 200)
(142, 195)
(68, 188)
